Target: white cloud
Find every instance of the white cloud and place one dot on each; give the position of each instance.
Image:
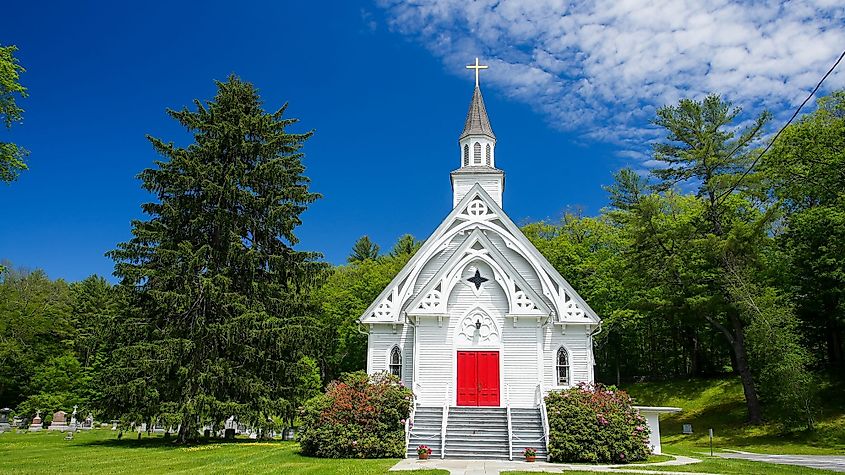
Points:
(602, 68)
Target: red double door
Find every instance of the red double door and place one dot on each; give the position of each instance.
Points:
(478, 378)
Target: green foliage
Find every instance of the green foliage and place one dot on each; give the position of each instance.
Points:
(406, 245)
(363, 250)
(359, 416)
(344, 296)
(220, 303)
(11, 155)
(595, 424)
(804, 169)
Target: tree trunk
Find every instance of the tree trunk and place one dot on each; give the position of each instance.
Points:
(752, 402)
(185, 429)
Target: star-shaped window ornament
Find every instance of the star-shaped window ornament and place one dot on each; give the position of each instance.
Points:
(477, 279)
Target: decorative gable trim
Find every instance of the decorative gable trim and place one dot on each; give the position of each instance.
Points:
(485, 215)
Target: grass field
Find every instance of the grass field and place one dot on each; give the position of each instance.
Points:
(719, 404)
(98, 451)
(716, 403)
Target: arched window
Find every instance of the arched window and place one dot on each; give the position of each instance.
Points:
(562, 367)
(488, 154)
(476, 154)
(396, 362)
(466, 155)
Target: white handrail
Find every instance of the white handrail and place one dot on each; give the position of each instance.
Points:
(544, 417)
(510, 426)
(444, 422)
(409, 422)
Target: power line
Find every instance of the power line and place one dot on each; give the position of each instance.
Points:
(794, 115)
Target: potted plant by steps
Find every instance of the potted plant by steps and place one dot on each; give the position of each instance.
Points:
(424, 452)
(530, 454)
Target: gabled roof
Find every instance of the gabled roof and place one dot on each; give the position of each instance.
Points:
(387, 307)
(477, 122)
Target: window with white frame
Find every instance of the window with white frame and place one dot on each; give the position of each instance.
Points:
(395, 365)
(562, 367)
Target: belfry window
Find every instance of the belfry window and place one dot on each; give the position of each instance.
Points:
(395, 362)
(562, 367)
(466, 155)
(476, 154)
(488, 155)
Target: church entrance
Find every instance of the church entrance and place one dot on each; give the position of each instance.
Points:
(478, 378)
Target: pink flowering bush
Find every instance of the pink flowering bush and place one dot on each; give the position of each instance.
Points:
(359, 416)
(595, 424)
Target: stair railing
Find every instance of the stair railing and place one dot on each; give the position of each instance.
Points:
(544, 417)
(410, 421)
(444, 422)
(510, 426)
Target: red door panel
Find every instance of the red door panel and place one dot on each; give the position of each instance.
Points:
(478, 378)
(467, 378)
(488, 378)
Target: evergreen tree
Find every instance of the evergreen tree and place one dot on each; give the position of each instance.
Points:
(220, 298)
(406, 245)
(703, 148)
(363, 249)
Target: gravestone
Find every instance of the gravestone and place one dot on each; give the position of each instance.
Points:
(17, 421)
(4, 419)
(73, 422)
(88, 423)
(36, 422)
(59, 421)
(687, 429)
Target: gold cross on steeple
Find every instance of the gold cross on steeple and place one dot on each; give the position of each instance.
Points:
(476, 67)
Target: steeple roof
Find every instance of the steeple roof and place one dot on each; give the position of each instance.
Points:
(477, 122)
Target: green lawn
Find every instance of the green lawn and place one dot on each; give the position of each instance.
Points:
(98, 451)
(716, 403)
(719, 404)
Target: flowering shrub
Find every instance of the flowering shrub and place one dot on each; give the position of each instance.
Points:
(596, 424)
(359, 416)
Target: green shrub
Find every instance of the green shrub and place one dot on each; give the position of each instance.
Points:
(360, 416)
(595, 424)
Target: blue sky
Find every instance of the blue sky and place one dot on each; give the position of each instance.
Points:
(384, 88)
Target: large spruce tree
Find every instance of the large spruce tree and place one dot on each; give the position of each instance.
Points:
(220, 307)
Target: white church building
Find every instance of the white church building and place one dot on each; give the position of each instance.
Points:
(478, 323)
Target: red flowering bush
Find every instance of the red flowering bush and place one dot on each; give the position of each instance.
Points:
(359, 416)
(595, 424)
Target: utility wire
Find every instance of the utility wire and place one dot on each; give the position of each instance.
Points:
(794, 115)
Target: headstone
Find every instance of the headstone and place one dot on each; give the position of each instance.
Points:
(114, 424)
(73, 418)
(88, 423)
(36, 422)
(230, 434)
(206, 433)
(59, 421)
(4, 419)
(687, 429)
(17, 421)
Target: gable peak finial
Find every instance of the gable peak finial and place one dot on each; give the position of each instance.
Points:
(477, 67)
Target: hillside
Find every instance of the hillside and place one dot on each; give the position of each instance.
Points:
(719, 404)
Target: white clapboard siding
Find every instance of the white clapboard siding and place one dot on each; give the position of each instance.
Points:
(435, 263)
(434, 367)
(576, 342)
(520, 363)
(381, 340)
(519, 262)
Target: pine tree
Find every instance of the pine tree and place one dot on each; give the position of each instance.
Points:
(363, 249)
(220, 299)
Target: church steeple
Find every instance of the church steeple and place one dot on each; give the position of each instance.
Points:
(477, 145)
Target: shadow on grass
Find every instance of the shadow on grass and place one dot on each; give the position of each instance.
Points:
(162, 443)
